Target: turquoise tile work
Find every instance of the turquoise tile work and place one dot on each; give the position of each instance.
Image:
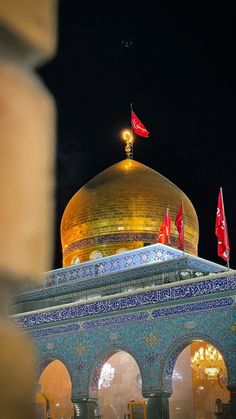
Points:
(153, 324)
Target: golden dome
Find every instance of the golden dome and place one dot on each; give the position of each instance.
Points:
(120, 209)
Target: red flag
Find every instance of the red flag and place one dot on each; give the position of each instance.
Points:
(138, 127)
(164, 233)
(221, 230)
(180, 226)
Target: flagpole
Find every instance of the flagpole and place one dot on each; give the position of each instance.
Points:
(183, 217)
(131, 110)
(168, 216)
(225, 224)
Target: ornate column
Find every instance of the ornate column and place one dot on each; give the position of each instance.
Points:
(232, 390)
(158, 405)
(84, 408)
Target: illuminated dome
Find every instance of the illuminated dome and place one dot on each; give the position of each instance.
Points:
(121, 209)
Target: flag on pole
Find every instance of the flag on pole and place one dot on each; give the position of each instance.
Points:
(221, 230)
(137, 126)
(164, 232)
(180, 226)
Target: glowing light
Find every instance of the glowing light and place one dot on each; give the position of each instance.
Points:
(127, 136)
(77, 409)
(208, 361)
(107, 375)
(212, 372)
(177, 376)
(200, 389)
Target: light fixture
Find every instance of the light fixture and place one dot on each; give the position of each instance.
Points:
(127, 136)
(107, 375)
(77, 409)
(185, 274)
(208, 362)
(200, 389)
(198, 274)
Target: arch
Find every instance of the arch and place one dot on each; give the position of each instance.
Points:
(95, 255)
(42, 364)
(56, 383)
(170, 357)
(122, 250)
(99, 361)
(46, 360)
(75, 260)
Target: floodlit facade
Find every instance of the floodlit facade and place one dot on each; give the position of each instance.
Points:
(154, 323)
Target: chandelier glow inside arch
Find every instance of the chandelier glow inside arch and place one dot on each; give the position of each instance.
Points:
(208, 362)
(107, 375)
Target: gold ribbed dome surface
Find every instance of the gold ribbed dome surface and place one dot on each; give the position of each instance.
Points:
(120, 209)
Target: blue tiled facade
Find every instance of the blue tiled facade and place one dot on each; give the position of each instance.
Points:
(153, 324)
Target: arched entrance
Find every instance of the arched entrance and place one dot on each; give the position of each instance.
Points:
(199, 379)
(55, 387)
(118, 382)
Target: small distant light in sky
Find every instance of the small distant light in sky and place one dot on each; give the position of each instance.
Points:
(127, 43)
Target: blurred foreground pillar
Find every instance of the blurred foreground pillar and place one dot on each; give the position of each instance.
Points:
(27, 141)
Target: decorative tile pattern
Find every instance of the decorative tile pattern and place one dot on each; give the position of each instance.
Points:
(107, 265)
(152, 357)
(233, 327)
(136, 318)
(191, 325)
(39, 333)
(156, 366)
(155, 272)
(119, 238)
(50, 346)
(176, 348)
(123, 261)
(150, 339)
(116, 320)
(114, 336)
(161, 295)
(152, 326)
(80, 349)
(191, 308)
(90, 324)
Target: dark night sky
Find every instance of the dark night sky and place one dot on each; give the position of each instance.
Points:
(180, 75)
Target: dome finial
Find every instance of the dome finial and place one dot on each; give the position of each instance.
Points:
(127, 136)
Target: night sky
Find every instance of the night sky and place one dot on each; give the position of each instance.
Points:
(176, 63)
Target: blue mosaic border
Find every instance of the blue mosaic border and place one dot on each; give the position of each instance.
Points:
(149, 298)
(148, 273)
(191, 308)
(156, 268)
(110, 264)
(75, 327)
(122, 237)
(124, 261)
(212, 305)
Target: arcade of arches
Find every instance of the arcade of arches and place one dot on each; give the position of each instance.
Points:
(194, 391)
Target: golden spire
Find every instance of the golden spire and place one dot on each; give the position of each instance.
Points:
(127, 136)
